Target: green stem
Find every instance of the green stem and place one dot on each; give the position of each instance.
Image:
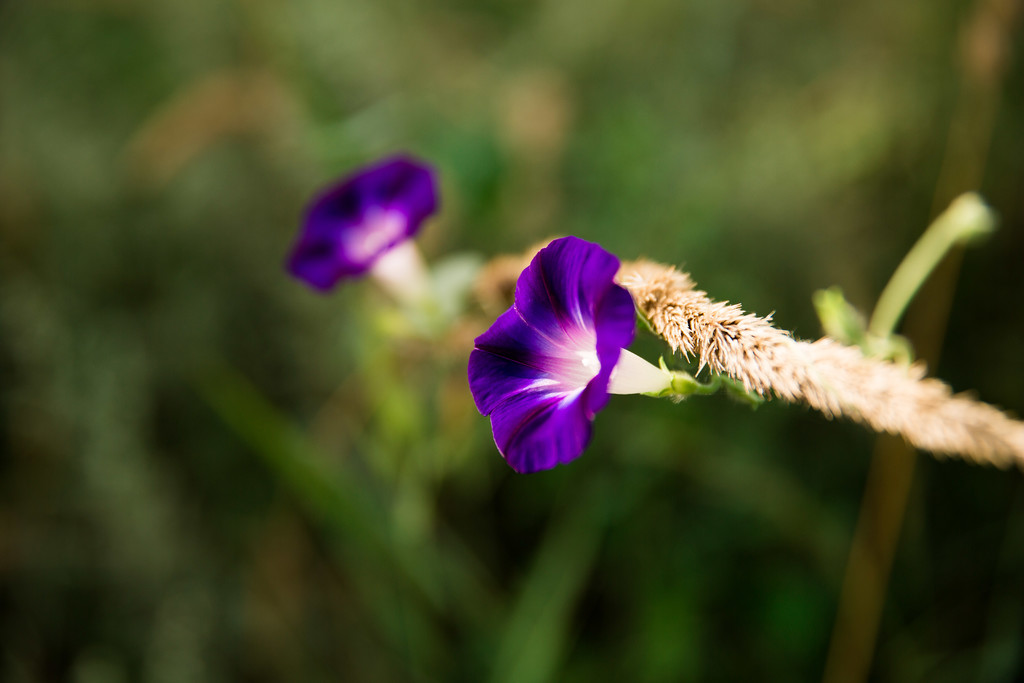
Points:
(683, 384)
(966, 218)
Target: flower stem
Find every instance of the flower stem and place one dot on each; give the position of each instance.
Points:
(682, 384)
(967, 218)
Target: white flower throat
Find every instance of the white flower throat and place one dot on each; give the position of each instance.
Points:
(382, 228)
(631, 375)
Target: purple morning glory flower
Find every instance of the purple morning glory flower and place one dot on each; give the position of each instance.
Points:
(547, 365)
(349, 226)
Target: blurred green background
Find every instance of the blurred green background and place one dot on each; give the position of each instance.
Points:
(209, 473)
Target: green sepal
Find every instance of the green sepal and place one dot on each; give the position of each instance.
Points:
(683, 384)
(844, 323)
(644, 322)
(839, 318)
(737, 391)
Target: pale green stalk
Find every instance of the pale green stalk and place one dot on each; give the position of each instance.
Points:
(967, 218)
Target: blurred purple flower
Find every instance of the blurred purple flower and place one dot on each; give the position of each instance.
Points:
(545, 367)
(351, 224)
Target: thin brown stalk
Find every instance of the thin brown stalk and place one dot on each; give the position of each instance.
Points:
(830, 377)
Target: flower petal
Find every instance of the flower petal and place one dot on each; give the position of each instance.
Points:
(511, 357)
(351, 224)
(537, 430)
(615, 322)
(497, 370)
(558, 293)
